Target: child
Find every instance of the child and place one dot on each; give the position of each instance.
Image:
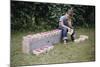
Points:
(65, 24)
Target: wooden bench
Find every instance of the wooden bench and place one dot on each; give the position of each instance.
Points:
(40, 40)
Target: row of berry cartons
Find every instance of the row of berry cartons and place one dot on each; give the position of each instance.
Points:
(44, 34)
(42, 50)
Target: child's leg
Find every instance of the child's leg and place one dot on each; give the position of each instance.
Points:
(73, 36)
(64, 33)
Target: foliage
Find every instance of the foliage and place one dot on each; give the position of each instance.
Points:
(34, 16)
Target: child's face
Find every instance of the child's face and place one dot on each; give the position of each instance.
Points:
(70, 13)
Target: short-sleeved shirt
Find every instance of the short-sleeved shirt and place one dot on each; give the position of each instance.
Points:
(63, 19)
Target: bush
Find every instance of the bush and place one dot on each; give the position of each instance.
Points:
(45, 16)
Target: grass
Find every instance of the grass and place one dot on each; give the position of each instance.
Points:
(74, 52)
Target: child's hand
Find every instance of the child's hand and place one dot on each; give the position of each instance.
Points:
(70, 31)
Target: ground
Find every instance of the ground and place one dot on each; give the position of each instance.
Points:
(72, 52)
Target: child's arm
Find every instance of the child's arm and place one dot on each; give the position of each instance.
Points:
(70, 24)
(61, 23)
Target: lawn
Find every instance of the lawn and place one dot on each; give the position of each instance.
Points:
(72, 52)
